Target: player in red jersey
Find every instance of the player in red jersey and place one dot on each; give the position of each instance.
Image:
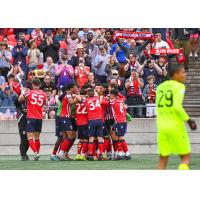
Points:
(82, 125)
(95, 124)
(65, 122)
(119, 113)
(36, 99)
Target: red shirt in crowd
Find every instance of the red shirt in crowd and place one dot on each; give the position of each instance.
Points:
(36, 99)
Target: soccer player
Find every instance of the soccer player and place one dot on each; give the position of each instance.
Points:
(95, 124)
(119, 113)
(82, 125)
(65, 122)
(172, 135)
(36, 99)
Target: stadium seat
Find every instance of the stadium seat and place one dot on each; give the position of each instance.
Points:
(63, 45)
(11, 37)
(10, 31)
(1, 38)
(13, 43)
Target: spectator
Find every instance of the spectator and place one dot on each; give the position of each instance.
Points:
(151, 69)
(100, 63)
(5, 58)
(81, 73)
(83, 33)
(19, 54)
(8, 97)
(72, 42)
(134, 87)
(112, 65)
(163, 64)
(34, 56)
(31, 77)
(50, 47)
(17, 72)
(89, 43)
(60, 34)
(91, 80)
(10, 47)
(116, 81)
(162, 31)
(64, 73)
(48, 86)
(181, 37)
(159, 43)
(149, 96)
(2, 79)
(37, 36)
(49, 66)
(80, 53)
(194, 42)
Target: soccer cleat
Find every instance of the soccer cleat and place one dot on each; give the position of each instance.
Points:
(78, 157)
(24, 158)
(183, 166)
(54, 158)
(119, 157)
(83, 158)
(27, 157)
(127, 157)
(100, 158)
(90, 158)
(191, 55)
(36, 156)
(61, 156)
(68, 157)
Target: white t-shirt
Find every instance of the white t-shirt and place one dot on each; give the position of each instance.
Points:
(161, 44)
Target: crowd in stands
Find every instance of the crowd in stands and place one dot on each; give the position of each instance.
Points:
(61, 56)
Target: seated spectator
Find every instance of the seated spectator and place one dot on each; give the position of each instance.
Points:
(112, 65)
(100, 63)
(81, 73)
(17, 72)
(7, 97)
(50, 47)
(72, 42)
(134, 87)
(5, 58)
(31, 77)
(64, 73)
(80, 53)
(49, 66)
(151, 69)
(60, 34)
(149, 96)
(33, 55)
(159, 43)
(19, 54)
(2, 79)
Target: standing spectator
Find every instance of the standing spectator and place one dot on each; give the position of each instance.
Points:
(60, 34)
(10, 47)
(29, 82)
(162, 31)
(149, 96)
(48, 86)
(17, 72)
(91, 80)
(37, 36)
(112, 65)
(159, 43)
(163, 64)
(83, 33)
(19, 54)
(5, 58)
(64, 73)
(2, 79)
(33, 55)
(81, 73)
(50, 47)
(116, 81)
(134, 87)
(151, 69)
(49, 66)
(100, 63)
(182, 36)
(80, 53)
(194, 42)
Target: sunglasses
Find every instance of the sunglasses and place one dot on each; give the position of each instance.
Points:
(114, 74)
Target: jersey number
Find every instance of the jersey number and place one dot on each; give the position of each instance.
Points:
(83, 110)
(121, 108)
(37, 99)
(96, 105)
(168, 97)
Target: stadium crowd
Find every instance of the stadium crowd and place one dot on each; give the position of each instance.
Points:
(62, 56)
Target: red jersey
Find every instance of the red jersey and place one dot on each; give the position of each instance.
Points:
(104, 104)
(36, 99)
(93, 107)
(81, 114)
(66, 106)
(119, 112)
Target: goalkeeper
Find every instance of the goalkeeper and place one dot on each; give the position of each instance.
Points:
(172, 135)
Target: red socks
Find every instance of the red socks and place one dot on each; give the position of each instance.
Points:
(70, 144)
(79, 147)
(106, 144)
(115, 145)
(124, 146)
(90, 148)
(65, 145)
(37, 145)
(32, 145)
(101, 147)
(119, 146)
(84, 147)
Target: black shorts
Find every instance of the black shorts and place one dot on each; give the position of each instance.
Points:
(82, 131)
(95, 128)
(109, 124)
(121, 128)
(106, 133)
(34, 125)
(74, 125)
(22, 122)
(58, 130)
(65, 124)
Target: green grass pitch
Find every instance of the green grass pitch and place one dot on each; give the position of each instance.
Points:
(137, 162)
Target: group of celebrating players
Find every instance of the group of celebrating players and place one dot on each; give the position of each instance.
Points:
(95, 115)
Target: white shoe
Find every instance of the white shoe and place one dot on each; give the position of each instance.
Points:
(36, 156)
(191, 55)
(195, 55)
(61, 155)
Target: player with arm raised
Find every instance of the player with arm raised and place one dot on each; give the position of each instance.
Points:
(36, 99)
(172, 135)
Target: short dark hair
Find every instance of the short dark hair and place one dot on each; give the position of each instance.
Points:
(114, 92)
(70, 86)
(90, 92)
(83, 92)
(11, 76)
(172, 69)
(36, 82)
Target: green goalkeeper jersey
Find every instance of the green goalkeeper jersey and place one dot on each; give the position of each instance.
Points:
(170, 112)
